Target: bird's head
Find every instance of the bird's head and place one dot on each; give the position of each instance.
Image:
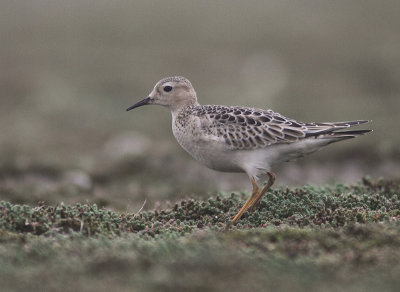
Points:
(172, 92)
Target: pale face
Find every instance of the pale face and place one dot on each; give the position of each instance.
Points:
(172, 92)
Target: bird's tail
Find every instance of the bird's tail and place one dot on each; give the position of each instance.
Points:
(337, 133)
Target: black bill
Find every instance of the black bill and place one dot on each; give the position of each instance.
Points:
(140, 103)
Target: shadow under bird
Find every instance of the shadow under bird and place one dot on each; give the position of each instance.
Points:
(241, 139)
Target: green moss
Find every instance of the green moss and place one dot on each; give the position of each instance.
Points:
(309, 238)
(308, 206)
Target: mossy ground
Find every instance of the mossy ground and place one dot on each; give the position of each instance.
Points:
(308, 239)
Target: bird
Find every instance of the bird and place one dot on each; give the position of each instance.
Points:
(239, 138)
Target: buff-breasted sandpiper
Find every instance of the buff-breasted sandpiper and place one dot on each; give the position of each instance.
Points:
(241, 139)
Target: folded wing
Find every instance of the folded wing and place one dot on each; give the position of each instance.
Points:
(250, 128)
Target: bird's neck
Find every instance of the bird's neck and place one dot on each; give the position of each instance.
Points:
(178, 108)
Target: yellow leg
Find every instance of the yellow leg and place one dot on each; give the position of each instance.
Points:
(271, 181)
(249, 202)
(254, 198)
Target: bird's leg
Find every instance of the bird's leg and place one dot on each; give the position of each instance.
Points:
(249, 202)
(271, 181)
(255, 197)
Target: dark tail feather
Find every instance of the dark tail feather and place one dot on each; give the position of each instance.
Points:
(320, 129)
(351, 133)
(351, 123)
(343, 135)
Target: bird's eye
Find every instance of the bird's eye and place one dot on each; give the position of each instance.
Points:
(167, 88)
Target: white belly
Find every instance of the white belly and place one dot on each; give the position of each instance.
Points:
(207, 149)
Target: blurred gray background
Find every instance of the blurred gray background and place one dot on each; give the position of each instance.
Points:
(70, 68)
